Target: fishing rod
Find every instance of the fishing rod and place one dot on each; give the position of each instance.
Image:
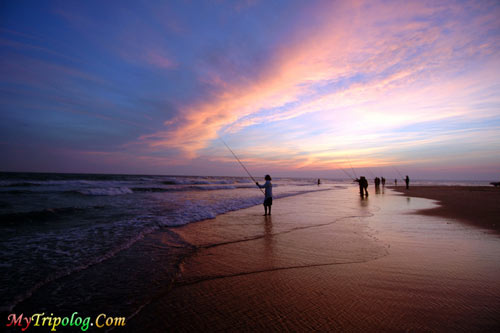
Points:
(388, 171)
(398, 172)
(248, 172)
(352, 167)
(370, 172)
(394, 172)
(383, 171)
(348, 175)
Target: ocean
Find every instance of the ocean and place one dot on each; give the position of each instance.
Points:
(106, 243)
(66, 238)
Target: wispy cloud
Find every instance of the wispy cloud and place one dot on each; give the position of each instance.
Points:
(374, 68)
(310, 85)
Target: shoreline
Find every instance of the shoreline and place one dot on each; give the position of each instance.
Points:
(473, 205)
(331, 261)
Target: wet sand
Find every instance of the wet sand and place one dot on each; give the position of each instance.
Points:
(330, 261)
(476, 205)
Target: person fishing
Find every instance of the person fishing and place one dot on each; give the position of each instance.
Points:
(268, 196)
(407, 181)
(363, 186)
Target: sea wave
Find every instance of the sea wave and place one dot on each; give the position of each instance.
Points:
(150, 189)
(195, 211)
(106, 191)
(169, 214)
(19, 192)
(189, 181)
(74, 269)
(48, 214)
(18, 184)
(121, 190)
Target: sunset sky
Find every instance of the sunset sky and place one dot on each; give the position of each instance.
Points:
(296, 88)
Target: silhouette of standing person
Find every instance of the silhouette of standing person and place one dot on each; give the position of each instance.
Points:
(377, 185)
(395, 182)
(383, 181)
(407, 181)
(268, 198)
(363, 186)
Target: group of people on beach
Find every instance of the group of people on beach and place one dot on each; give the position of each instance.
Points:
(379, 180)
(362, 181)
(363, 184)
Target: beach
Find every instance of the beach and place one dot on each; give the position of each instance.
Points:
(100, 243)
(191, 253)
(331, 261)
(476, 205)
(145, 144)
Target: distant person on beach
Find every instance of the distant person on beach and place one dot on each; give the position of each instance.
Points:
(268, 198)
(395, 182)
(363, 186)
(377, 185)
(407, 181)
(383, 181)
(319, 181)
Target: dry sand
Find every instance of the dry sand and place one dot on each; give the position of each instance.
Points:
(329, 261)
(477, 205)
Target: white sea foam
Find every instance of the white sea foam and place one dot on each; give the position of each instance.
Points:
(129, 209)
(195, 181)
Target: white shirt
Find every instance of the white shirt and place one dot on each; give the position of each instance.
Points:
(269, 189)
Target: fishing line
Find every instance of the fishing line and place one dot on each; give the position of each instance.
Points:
(348, 175)
(352, 167)
(248, 172)
(370, 172)
(398, 172)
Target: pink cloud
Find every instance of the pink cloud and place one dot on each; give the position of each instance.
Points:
(156, 59)
(409, 64)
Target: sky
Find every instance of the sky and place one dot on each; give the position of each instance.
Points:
(295, 88)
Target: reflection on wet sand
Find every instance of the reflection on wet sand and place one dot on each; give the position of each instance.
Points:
(327, 261)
